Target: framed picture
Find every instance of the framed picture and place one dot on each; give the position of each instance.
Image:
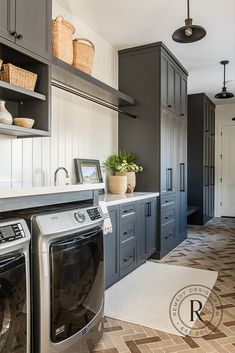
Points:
(88, 171)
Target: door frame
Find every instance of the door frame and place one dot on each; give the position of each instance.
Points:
(218, 168)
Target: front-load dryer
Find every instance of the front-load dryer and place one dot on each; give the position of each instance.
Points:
(68, 279)
(14, 287)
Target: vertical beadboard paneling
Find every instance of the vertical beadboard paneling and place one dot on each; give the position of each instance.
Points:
(17, 163)
(80, 129)
(5, 162)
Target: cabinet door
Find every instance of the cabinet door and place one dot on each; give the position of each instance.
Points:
(177, 93)
(164, 80)
(151, 227)
(184, 97)
(171, 86)
(33, 25)
(141, 212)
(167, 150)
(111, 249)
(7, 19)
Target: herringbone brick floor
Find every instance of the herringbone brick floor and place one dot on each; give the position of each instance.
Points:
(209, 247)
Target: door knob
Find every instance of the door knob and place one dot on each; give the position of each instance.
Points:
(19, 36)
(14, 34)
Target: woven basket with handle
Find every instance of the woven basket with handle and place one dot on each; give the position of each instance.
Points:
(83, 54)
(62, 39)
(19, 77)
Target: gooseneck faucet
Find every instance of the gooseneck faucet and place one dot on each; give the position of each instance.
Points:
(56, 172)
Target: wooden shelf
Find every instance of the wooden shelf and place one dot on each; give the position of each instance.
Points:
(16, 94)
(18, 131)
(89, 85)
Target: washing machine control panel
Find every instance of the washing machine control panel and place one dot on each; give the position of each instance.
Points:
(11, 232)
(94, 213)
(80, 217)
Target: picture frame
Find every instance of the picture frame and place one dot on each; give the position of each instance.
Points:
(88, 171)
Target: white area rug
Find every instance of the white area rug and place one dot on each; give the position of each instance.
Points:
(144, 296)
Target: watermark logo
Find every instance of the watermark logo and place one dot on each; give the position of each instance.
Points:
(189, 315)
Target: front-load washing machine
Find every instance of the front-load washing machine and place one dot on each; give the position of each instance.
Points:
(14, 287)
(68, 279)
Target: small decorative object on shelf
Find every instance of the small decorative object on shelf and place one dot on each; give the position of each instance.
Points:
(123, 165)
(83, 54)
(5, 116)
(62, 39)
(24, 122)
(18, 77)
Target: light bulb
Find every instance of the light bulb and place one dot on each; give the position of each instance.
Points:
(188, 31)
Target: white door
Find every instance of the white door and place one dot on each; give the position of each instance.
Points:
(228, 171)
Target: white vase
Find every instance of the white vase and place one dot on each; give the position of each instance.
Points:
(5, 116)
(131, 180)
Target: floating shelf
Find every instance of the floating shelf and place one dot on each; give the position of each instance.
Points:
(19, 131)
(89, 85)
(16, 94)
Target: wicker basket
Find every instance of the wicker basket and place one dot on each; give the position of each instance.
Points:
(19, 77)
(62, 39)
(83, 54)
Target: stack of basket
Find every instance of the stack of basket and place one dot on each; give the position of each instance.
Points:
(78, 52)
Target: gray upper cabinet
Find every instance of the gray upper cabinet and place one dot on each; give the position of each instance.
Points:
(7, 19)
(27, 23)
(158, 137)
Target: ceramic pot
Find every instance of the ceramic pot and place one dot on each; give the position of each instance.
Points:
(5, 116)
(131, 180)
(117, 184)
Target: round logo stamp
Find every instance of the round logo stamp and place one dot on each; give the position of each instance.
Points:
(189, 314)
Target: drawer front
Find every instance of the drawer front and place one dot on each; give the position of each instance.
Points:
(167, 214)
(127, 258)
(127, 210)
(127, 232)
(168, 237)
(167, 199)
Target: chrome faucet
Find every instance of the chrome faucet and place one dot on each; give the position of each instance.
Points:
(56, 172)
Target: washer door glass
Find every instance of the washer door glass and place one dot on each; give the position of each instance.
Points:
(13, 322)
(77, 283)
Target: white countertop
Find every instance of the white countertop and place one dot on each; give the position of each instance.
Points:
(46, 190)
(114, 199)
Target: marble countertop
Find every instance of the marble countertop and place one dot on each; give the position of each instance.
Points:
(113, 199)
(46, 190)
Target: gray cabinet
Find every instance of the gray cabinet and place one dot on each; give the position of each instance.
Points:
(7, 19)
(158, 136)
(146, 229)
(201, 156)
(27, 23)
(133, 240)
(111, 249)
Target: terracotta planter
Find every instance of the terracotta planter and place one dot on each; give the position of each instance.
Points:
(131, 180)
(117, 184)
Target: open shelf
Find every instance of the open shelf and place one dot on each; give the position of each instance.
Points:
(16, 94)
(89, 85)
(19, 131)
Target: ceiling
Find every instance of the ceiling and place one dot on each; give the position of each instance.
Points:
(135, 22)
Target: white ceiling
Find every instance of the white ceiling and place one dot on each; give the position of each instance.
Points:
(136, 22)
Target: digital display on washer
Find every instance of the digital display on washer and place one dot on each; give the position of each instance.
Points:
(7, 232)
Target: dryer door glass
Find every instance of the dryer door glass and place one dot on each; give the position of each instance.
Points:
(13, 321)
(77, 283)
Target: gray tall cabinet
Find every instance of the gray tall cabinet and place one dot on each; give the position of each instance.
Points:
(158, 137)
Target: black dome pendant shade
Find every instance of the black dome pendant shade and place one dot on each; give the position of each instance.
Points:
(224, 94)
(189, 33)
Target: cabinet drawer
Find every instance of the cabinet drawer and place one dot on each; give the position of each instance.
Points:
(167, 199)
(168, 237)
(127, 210)
(167, 214)
(127, 232)
(127, 258)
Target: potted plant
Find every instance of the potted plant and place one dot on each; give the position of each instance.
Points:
(123, 165)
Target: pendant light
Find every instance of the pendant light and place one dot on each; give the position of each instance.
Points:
(224, 94)
(189, 33)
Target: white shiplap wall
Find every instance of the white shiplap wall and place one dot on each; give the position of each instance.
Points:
(79, 128)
